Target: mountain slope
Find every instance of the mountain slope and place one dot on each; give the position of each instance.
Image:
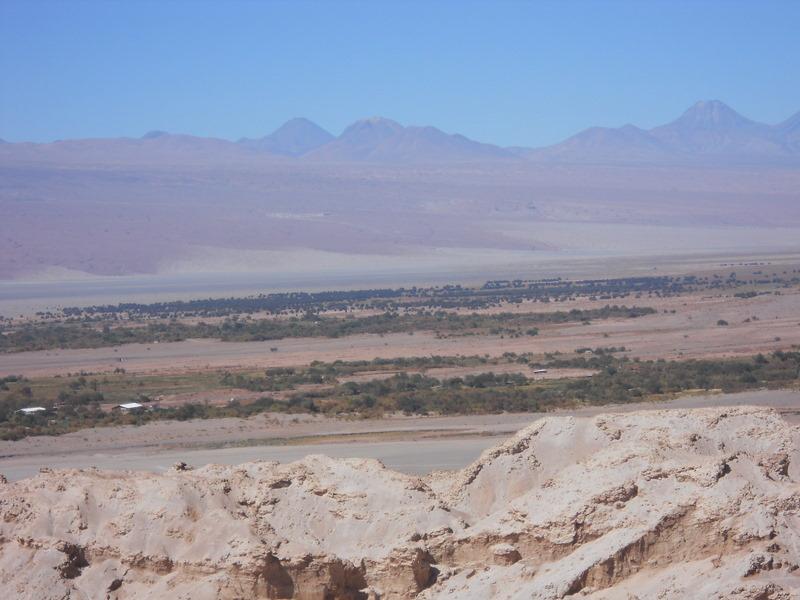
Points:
(383, 140)
(359, 140)
(294, 138)
(789, 130)
(714, 128)
(708, 131)
(604, 143)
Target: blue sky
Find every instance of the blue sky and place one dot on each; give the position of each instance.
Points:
(513, 73)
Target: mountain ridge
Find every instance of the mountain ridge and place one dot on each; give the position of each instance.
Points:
(708, 131)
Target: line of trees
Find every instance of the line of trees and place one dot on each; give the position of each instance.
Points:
(45, 336)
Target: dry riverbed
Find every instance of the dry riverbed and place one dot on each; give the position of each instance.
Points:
(410, 444)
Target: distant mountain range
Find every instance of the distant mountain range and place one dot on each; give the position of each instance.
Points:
(708, 132)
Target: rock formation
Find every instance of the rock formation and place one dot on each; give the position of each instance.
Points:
(671, 504)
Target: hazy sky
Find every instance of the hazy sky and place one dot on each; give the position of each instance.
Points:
(525, 73)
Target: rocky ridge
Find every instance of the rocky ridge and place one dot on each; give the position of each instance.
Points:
(700, 503)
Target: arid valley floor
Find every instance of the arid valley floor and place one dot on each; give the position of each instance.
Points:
(626, 436)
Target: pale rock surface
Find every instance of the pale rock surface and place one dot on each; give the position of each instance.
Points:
(674, 504)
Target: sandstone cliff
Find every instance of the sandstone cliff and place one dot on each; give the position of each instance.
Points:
(673, 504)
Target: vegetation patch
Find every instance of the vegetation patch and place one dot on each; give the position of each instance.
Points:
(75, 402)
(46, 336)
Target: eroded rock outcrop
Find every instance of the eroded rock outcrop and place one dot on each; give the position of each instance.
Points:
(672, 504)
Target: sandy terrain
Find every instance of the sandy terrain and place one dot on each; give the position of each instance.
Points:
(692, 331)
(409, 444)
(279, 218)
(701, 503)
